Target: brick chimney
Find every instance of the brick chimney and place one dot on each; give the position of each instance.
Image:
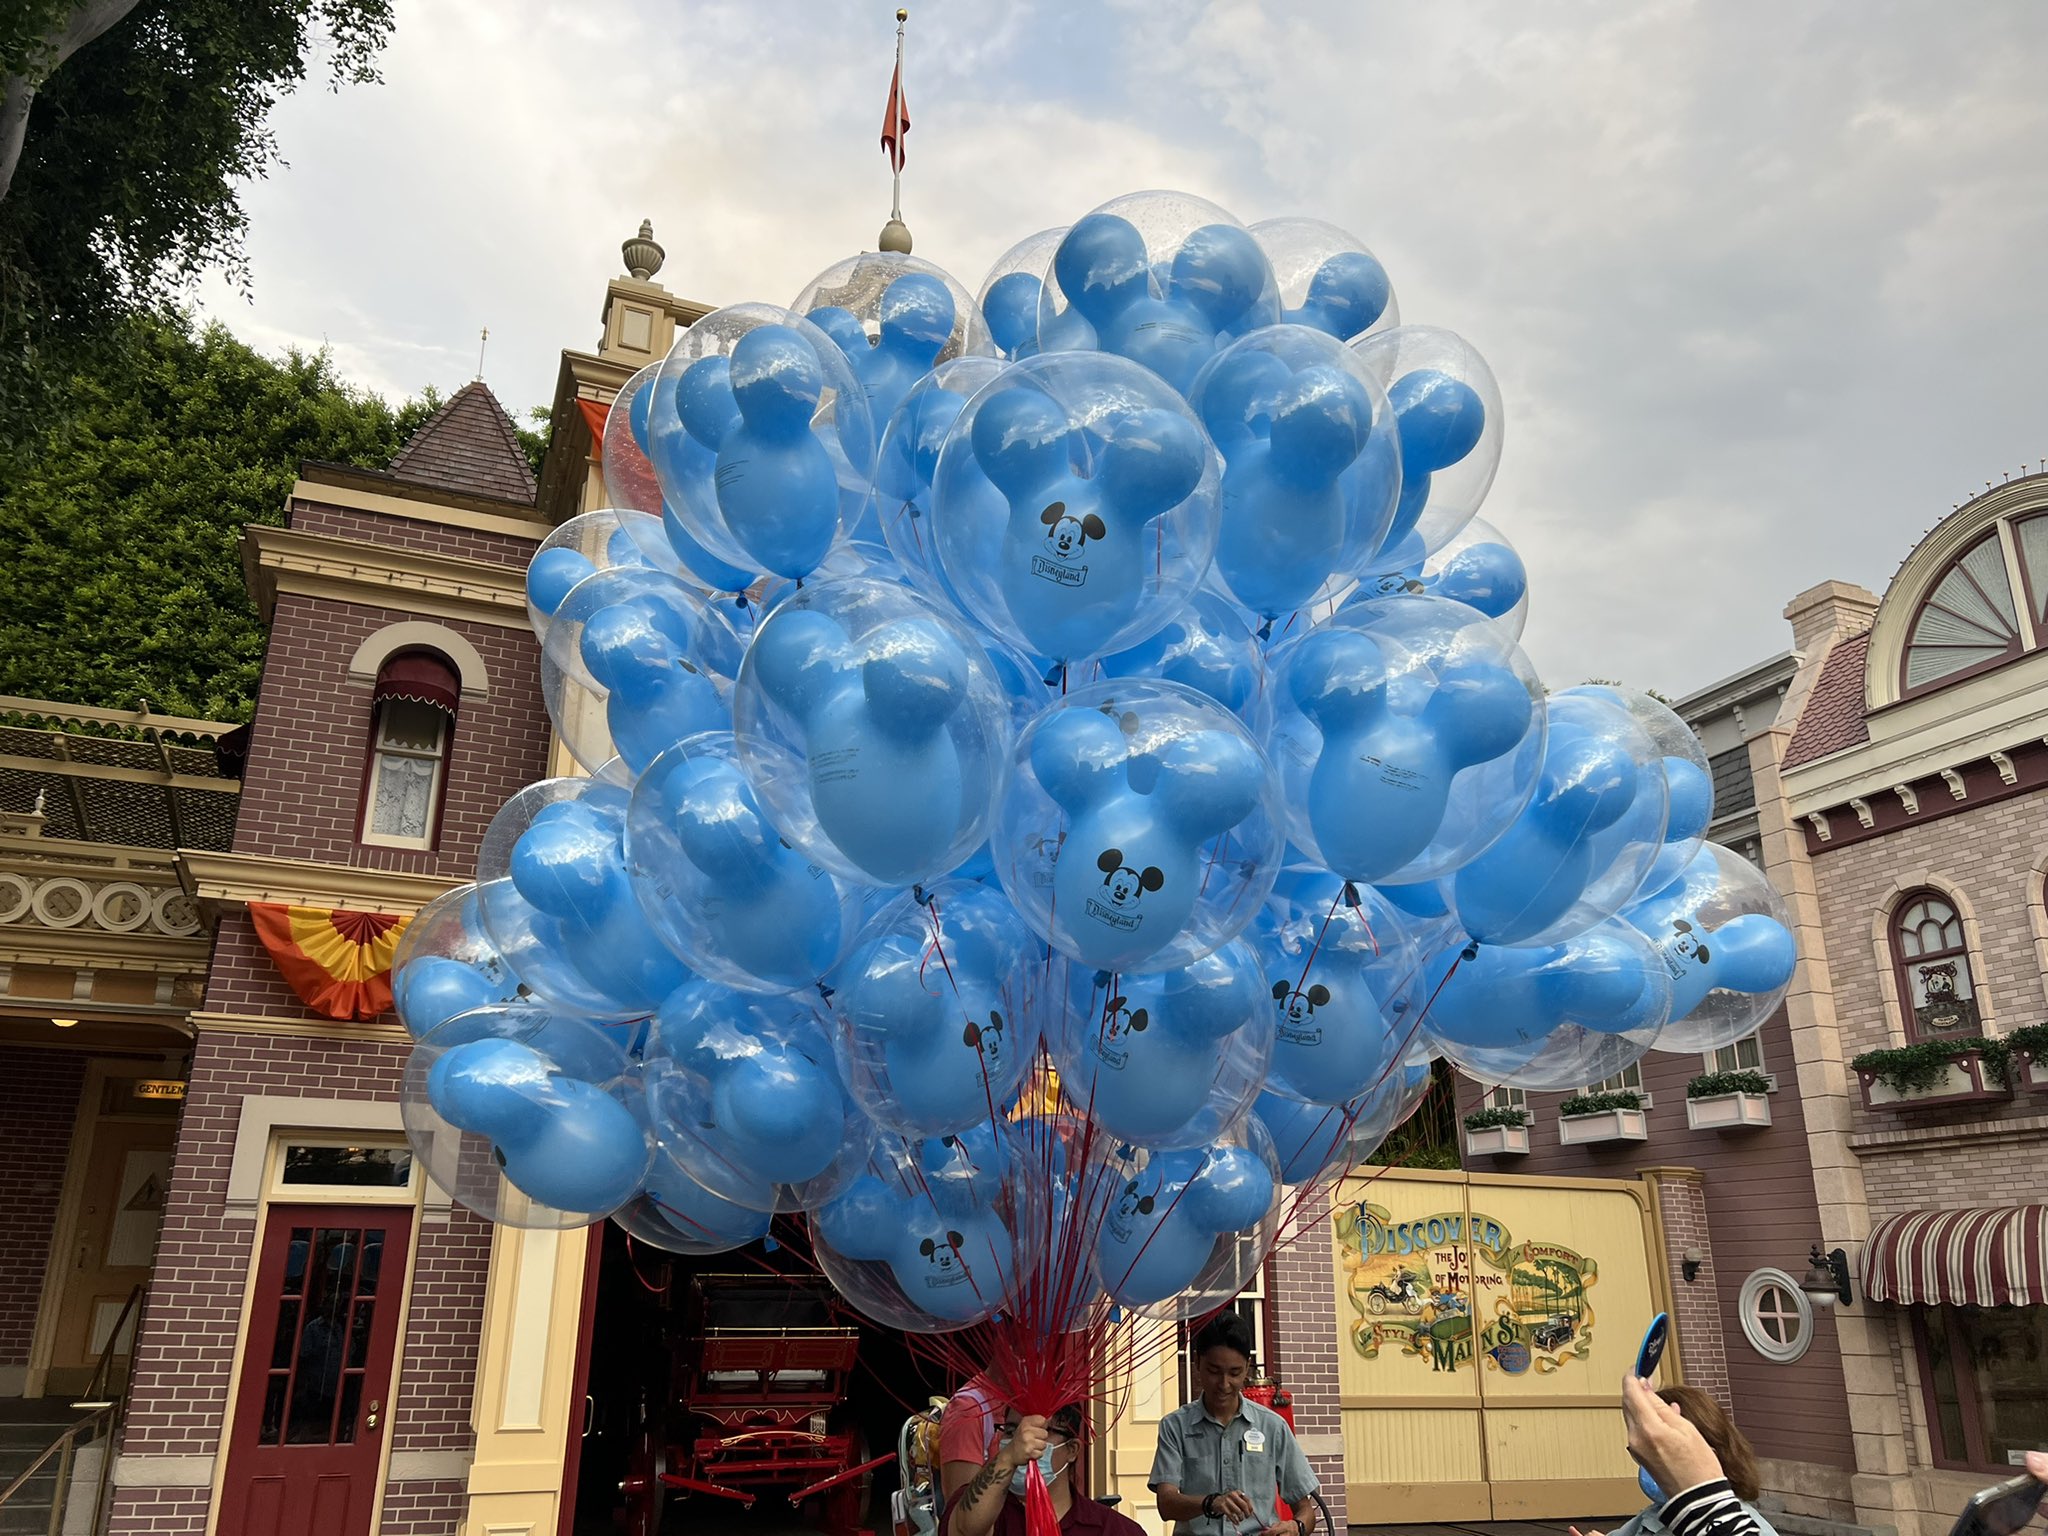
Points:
(1829, 612)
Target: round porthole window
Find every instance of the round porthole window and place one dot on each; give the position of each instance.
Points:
(1777, 1318)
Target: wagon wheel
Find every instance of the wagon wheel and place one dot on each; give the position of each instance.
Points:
(1413, 1305)
(1375, 1303)
(644, 1494)
(845, 1507)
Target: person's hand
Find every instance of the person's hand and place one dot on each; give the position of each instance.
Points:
(1235, 1507)
(1664, 1440)
(1026, 1444)
(1577, 1532)
(2037, 1466)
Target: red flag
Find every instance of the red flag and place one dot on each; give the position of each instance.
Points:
(895, 120)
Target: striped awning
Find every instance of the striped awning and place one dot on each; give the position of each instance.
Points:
(1992, 1256)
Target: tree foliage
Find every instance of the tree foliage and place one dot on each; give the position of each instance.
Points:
(135, 148)
(120, 576)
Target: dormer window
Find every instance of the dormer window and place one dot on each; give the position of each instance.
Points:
(1968, 620)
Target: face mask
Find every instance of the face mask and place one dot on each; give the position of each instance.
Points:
(1018, 1478)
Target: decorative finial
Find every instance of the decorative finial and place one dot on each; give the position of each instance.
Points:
(895, 237)
(483, 340)
(643, 255)
(902, 15)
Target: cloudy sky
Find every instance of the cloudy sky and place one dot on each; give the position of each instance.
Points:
(1761, 282)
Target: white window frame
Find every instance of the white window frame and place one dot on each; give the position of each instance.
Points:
(1752, 1325)
(1619, 1083)
(1505, 1096)
(1756, 1037)
(379, 752)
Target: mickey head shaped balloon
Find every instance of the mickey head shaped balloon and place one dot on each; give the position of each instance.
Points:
(1315, 1141)
(1408, 738)
(873, 730)
(1584, 841)
(1448, 409)
(1327, 278)
(446, 964)
(1011, 293)
(1172, 1219)
(914, 323)
(1169, 1059)
(1108, 505)
(721, 885)
(677, 1214)
(1156, 799)
(513, 1091)
(1723, 937)
(744, 1094)
(1542, 1016)
(1207, 647)
(907, 462)
(1342, 981)
(558, 905)
(936, 1019)
(1294, 413)
(1682, 765)
(1478, 568)
(1157, 291)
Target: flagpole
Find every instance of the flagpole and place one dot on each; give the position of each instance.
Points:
(895, 166)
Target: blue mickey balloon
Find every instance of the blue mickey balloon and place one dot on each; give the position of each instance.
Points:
(655, 693)
(1170, 1059)
(1141, 802)
(1173, 1210)
(916, 322)
(875, 724)
(1293, 413)
(552, 573)
(678, 1214)
(1403, 697)
(1011, 308)
(1724, 937)
(536, 1092)
(1326, 277)
(1342, 983)
(936, 1022)
(746, 1096)
(907, 462)
(1314, 1141)
(721, 885)
(1448, 413)
(1207, 647)
(1478, 568)
(1687, 780)
(1584, 841)
(1082, 565)
(950, 1268)
(1213, 284)
(446, 964)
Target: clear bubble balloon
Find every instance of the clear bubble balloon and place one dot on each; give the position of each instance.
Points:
(1585, 840)
(563, 913)
(1688, 779)
(446, 964)
(910, 316)
(1166, 1060)
(873, 729)
(743, 1094)
(678, 1215)
(1341, 977)
(1327, 278)
(1317, 1143)
(1209, 647)
(1162, 278)
(938, 1009)
(1549, 1017)
(1105, 517)
(1139, 829)
(1477, 567)
(1448, 409)
(528, 1119)
(1725, 938)
(1409, 735)
(719, 882)
(762, 439)
(581, 547)
(1312, 466)
(634, 662)
(1184, 1231)
(908, 461)
(1010, 294)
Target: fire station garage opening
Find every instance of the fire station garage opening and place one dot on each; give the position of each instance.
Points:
(722, 1388)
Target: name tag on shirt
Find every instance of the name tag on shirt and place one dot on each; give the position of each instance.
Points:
(1254, 1442)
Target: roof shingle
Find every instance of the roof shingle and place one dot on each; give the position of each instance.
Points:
(469, 445)
(1833, 717)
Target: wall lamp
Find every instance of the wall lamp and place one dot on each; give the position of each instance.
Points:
(1689, 1264)
(1827, 1278)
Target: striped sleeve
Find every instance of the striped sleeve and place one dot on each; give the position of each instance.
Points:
(1708, 1509)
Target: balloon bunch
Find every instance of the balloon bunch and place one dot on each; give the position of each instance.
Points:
(1062, 766)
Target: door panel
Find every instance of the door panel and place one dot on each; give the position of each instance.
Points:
(128, 1166)
(313, 1402)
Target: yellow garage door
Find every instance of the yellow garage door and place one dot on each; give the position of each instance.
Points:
(1484, 1324)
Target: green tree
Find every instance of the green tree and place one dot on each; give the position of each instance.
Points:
(120, 577)
(126, 130)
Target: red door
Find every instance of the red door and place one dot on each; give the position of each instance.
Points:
(315, 1395)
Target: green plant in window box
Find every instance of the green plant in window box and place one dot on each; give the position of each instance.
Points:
(1917, 1068)
(1506, 1116)
(2030, 1040)
(1713, 1085)
(1599, 1103)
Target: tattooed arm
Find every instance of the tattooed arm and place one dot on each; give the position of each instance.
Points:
(975, 1509)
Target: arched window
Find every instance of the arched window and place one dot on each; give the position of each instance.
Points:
(2030, 538)
(1933, 963)
(412, 725)
(1967, 620)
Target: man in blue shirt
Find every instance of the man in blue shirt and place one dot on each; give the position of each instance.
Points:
(1224, 1462)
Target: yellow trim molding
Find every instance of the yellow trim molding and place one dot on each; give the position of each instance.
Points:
(278, 560)
(219, 881)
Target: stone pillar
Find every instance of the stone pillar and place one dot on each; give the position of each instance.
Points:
(1681, 1197)
(1303, 1347)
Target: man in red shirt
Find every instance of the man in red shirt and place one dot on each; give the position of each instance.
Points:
(992, 1503)
(968, 1430)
